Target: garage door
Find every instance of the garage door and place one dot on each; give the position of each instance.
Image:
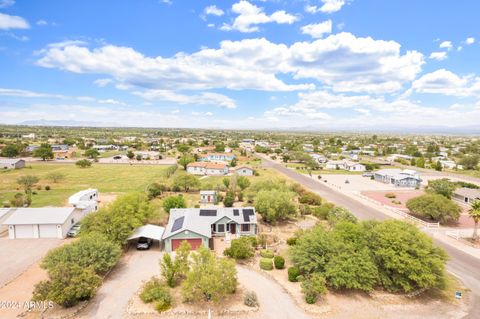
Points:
(194, 242)
(48, 231)
(24, 231)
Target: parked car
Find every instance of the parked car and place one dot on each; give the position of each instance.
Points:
(117, 157)
(367, 174)
(73, 232)
(347, 181)
(144, 243)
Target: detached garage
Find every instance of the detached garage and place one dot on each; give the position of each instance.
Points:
(45, 222)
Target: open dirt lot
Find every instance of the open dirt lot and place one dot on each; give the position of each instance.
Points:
(356, 183)
(16, 255)
(400, 200)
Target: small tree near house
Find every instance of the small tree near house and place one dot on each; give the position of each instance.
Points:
(474, 212)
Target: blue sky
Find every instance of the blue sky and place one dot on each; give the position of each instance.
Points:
(317, 64)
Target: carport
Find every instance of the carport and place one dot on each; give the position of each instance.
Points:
(153, 232)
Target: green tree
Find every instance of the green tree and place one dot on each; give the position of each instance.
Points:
(312, 286)
(229, 199)
(438, 166)
(338, 214)
(27, 182)
(219, 147)
(173, 202)
(275, 205)
(406, 258)
(233, 162)
(243, 182)
(44, 152)
(474, 213)
(185, 160)
(209, 278)
(183, 148)
(442, 186)
(10, 150)
(469, 162)
(435, 207)
(154, 190)
(89, 251)
(130, 155)
(84, 163)
(241, 248)
(68, 285)
(226, 182)
(186, 181)
(91, 153)
(420, 162)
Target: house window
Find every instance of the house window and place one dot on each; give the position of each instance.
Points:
(245, 227)
(228, 227)
(221, 228)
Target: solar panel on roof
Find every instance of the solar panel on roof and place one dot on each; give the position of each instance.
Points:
(208, 212)
(236, 212)
(246, 215)
(249, 211)
(178, 223)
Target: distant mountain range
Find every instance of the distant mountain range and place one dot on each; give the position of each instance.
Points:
(434, 129)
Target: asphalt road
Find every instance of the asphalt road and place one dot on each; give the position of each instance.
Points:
(461, 264)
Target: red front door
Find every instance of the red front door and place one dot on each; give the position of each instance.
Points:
(233, 228)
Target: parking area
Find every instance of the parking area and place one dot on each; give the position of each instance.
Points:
(356, 183)
(16, 255)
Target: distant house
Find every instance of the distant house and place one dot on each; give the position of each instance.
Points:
(398, 177)
(60, 147)
(244, 171)
(448, 164)
(466, 195)
(64, 154)
(46, 222)
(208, 197)
(29, 136)
(11, 163)
(148, 155)
(319, 158)
(213, 157)
(345, 165)
(31, 148)
(198, 226)
(104, 148)
(207, 168)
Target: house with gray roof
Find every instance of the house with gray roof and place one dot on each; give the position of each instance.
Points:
(198, 226)
(398, 177)
(11, 163)
(466, 195)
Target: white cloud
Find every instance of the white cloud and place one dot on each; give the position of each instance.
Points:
(213, 10)
(250, 16)
(341, 61)
(439, 56)
(205, 98)
(102, 82)
(329, 6)
(470, 41)
(6, 3)
(41, 22)
(176, 111)
(446, 45)
(447, 83)
(211, 25)
(318, 30)
(8, 22)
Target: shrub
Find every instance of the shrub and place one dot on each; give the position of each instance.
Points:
(173, 202)
(293, 273)
(292, 241)
(266, 253)
(266, 264)
(250, 299)
(338, 214)
(47, 188)
(84, 163)
(310, 199)
(435, 207)
(229, 199)
(322, 211)
(155, 190)
(156, 291)
(312, 286)
(390, 195)
(241, 248)
(275, 205)
(279, 262)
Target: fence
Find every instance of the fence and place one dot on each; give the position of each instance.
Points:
(405, 215)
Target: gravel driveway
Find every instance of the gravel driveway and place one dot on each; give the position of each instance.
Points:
(275, 303)
(113, 296)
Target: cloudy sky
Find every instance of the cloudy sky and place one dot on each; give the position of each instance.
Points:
(317, 64)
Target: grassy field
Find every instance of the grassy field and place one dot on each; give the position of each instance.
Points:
(106, 178)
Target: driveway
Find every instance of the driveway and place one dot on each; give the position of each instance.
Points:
(16, 255)
(274, 302)
(122, 283)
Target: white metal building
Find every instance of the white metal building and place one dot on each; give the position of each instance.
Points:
(45, 222)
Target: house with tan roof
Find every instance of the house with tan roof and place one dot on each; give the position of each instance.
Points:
(207, 168)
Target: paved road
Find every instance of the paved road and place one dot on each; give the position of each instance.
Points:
(461, 264)
(275, 303)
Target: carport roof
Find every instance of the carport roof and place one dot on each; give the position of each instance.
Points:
(44, 215)
(148, 231)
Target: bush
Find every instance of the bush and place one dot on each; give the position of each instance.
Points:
(266, 253)
(47, 188)
(156, 290)
(312, 286)
(241, 248)
(279, 262)
(310, 199)
(275, 205)
(173, 202)
(338, 214)
(293, 273)
(250, 299)
(435, 207)
(229, 199)
(390, 195)
(292, 241)
(84, 163)
(266, 264)
(155, 190)
(322, 212)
